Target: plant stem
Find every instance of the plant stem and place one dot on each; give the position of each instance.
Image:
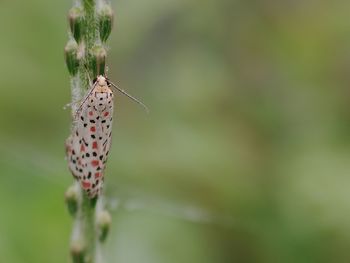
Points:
(89, 20)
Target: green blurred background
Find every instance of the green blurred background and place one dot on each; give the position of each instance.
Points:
(243, 158)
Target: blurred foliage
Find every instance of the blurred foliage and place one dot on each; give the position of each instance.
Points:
(243, 158)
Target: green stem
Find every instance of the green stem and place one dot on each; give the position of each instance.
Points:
(90, 21)
(90, 40)
(88, 225)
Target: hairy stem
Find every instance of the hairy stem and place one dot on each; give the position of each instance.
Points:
(85, 53)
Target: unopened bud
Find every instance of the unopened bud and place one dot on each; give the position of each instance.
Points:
(71, 198)
(77, 23)
(98, 60)
(104, 221)
(105, 17)
(72, 61)
(77, 251)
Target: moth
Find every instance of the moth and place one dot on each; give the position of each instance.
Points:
(88, 146)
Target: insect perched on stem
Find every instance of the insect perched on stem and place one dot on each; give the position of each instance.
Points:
(88, 146)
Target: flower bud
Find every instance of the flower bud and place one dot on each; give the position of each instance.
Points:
(72, 60)
(77, 22)
(105, 16)
(98, 61)
(104, 221)
(77, 251)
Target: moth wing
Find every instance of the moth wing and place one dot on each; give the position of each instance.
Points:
(77, 149)
(88, 146)
(98, 132)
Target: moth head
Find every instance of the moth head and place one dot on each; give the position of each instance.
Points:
(101, 81)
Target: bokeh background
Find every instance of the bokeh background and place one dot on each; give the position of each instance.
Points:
(243, 158)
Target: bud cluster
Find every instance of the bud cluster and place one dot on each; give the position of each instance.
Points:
(88, 31)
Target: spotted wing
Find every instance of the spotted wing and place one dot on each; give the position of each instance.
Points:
(88, 146)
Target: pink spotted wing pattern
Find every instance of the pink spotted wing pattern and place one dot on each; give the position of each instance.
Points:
(88, 146)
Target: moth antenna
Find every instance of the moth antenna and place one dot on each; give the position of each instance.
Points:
(87, 74)
(85, 98)
(90, 82)
(130, 97)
